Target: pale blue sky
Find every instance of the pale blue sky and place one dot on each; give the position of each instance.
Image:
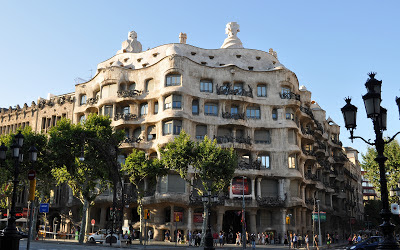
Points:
(330, 45)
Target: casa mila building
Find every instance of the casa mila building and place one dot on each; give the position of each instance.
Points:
(290, 155)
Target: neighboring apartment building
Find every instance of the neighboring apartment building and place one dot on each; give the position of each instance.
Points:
(289, 153)
(368, 190)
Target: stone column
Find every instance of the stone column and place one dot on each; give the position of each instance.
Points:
(330, 197)
(220, 218)
(114, 111)
(172, 222)
(190, 219)
(283, 223)
(281, 190)
(303, 193)
(304, 219)
(259, 187)
(253, 196)
(253, 221)
(230, 190)
(103, 211)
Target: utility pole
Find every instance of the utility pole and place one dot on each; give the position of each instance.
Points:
(319, 226)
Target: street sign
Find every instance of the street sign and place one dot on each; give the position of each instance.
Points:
(92, 222)
(44, 208)
(31, 175)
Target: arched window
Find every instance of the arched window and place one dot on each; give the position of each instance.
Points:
(149, 85)
(264, 159)
(195, 107)
(262, 90)
(82, 119)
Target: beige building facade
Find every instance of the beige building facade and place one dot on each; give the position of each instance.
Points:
(289, 153)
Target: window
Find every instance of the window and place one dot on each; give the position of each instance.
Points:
(308, 147)
(264, 159)
(201, 131)
(195, 107)
(292, 160)
(206, 86)
(176, 101)
(82, 100)
(211, 109)
(156, 108)
(108, 110)
(238, 87)
(253, 112)
(262, 136)
(151, 133)
(172, 184)
(261, 90)
(143, 109)
(285, 91)
(82, 119)
(126, 133)
(292, 138)
(132, 86)
(172, 127)
(274, 114)
(109, 90)
(234, 110)
(289, 114)
(126, 110)
(173, 80)
(137, 132)
(149, 85)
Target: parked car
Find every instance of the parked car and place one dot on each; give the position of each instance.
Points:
(367, 244)
(99, 236)
(22, 233)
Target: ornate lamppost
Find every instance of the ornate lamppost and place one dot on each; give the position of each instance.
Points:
(208, 199)
(10, 238)
(378, 115)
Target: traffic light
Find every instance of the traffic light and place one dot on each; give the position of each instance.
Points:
(147, 214)
(287, 219)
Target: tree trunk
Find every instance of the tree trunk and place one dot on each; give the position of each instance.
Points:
(141, 214)
(85, 217)
(204, 226)
(35, 205)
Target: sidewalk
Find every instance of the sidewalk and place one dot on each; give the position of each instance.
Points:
(171, 245)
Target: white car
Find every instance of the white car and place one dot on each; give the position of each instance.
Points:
(99, 236)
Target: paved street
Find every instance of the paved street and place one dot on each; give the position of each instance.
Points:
(58, 245)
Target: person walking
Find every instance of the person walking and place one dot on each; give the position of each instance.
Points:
(294, 241)
(316, 242)
(306, 240)
(328, 241)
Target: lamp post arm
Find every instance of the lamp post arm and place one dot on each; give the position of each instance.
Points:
(391, 139)
(359, 137)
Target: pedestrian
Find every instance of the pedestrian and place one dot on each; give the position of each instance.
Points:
(237, 239)
(259, 238)
(306, 240)
(316, 242)
(294, 241)
(221, 239)
(300, 241)
(290, 240)
(263, 238)
(328, 241)
(253, 241)
(285, 241)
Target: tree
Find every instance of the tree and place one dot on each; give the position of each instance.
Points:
(212, 165)
(139, 168)
(371, 167)
(44, 179)
(84, 157)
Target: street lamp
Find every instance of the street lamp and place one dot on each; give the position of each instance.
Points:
(10, 238)
(372, 102)
(208, 199)
(319, 225)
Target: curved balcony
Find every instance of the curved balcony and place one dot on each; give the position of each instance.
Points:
(228, 90)
(271, 201)
(129, 93)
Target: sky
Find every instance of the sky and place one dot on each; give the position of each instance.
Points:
(329, 45)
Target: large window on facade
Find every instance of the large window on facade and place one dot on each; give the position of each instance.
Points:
(173, 101)
(234, 110)
(82, 100)
(137, 132)
(195, 107)
(201, 131)
(292, 160)
(274, 114)
(264, 159)
(289, 114)
(156, 108)
(172, 127)
(292, 137)
(149, 85)
(269, 188)
(173, 80)
(151, 133)
(126, 110)
(261, 90)
(262, 136)
(143, 109)
(206, 86)
(108, 110)
(238, 86)
(211, 109)
(172, 183)
(253, 113)
(109, 90)
(285, 91)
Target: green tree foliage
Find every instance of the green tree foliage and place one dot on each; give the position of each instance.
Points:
(96, 142)
(212, 165)
(371, 167)
(139, 168)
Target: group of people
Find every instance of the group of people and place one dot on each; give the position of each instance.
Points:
(297, 241)
(261, 239)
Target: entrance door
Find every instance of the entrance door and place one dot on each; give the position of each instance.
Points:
(232, 224)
